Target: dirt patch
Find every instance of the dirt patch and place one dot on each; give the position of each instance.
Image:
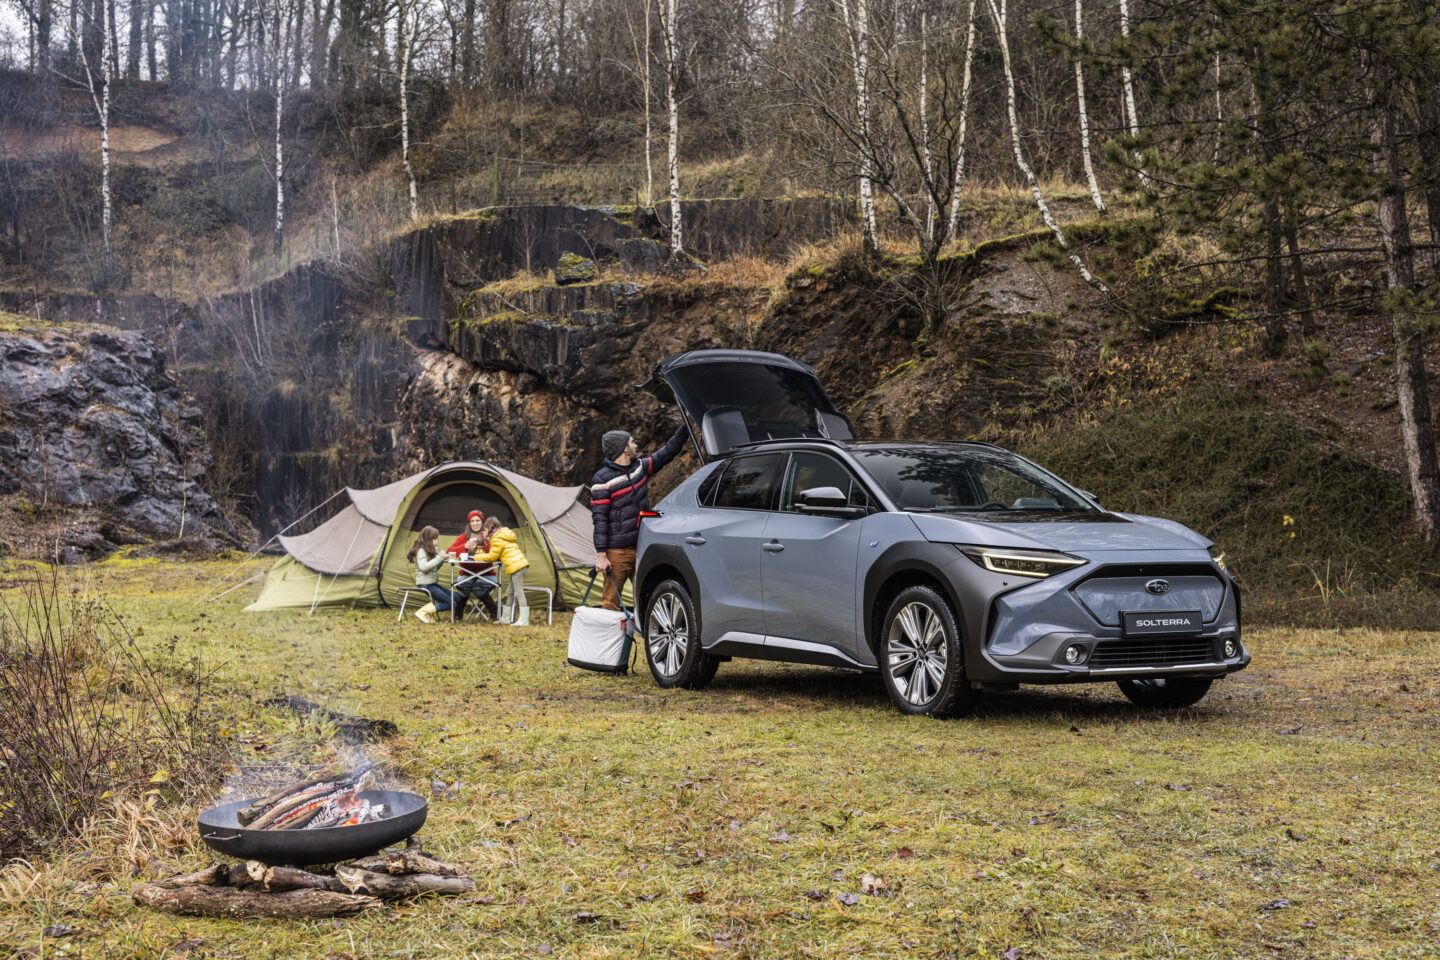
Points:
(123, 140)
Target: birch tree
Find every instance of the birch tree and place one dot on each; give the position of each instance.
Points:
(998, 17)
(100, 96)
(857, 33)
(1127, 87)
(408, 26)
(954, 225)
(1080, 101)
(668, 27)
(281, 76)
(642, 62)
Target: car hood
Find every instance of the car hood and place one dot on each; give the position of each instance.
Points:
(1103, 532)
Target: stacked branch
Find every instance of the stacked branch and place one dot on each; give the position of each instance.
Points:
(254, 889)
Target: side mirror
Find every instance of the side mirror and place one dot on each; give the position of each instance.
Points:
(827, 502)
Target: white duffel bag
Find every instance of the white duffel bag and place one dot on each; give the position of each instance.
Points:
(599, 638)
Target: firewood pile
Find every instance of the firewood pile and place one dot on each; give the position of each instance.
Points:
(253, 889)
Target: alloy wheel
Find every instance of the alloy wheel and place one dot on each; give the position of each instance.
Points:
(917, 652)
(668, 634)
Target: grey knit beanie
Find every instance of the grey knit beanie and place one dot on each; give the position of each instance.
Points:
(613, 443)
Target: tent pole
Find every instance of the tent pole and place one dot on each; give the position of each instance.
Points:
(237, 586)
(206, 598)
(318, 577)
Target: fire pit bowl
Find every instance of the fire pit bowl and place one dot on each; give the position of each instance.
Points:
(223, 833)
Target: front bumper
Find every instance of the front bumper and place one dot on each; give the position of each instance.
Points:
(1027, 627)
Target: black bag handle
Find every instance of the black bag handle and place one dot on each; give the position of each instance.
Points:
(585, 599)
(618, 596)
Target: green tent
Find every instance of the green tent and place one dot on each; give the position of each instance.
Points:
(357, 557)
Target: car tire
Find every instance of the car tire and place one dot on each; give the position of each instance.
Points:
(922, 663)
(672, 639)
(1167, 692)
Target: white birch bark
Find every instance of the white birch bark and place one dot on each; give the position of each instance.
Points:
(926, 160)
(1132, 118)
(101, 99)
(954, 225)
(280, 74)
(857, 30)
(1084, 118)
(672, 55)
(409, 25)
(997, 15)
(1219, 110)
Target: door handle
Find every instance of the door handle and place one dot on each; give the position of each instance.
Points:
(774, 546)
(695, 539)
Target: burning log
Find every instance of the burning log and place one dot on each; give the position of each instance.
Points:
(388, 887)
(200, 900)
(309, 803)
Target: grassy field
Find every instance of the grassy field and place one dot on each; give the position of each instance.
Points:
(789, 812)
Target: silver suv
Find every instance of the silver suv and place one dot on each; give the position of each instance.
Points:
(948, 568)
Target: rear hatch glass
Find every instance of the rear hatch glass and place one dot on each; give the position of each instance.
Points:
(734, 397)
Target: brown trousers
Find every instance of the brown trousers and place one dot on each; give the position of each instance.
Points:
(622, 568)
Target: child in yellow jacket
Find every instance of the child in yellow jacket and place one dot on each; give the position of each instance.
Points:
(505, 549)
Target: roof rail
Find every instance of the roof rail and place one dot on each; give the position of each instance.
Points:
(773, 440)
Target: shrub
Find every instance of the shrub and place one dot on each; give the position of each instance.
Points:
(86, 719)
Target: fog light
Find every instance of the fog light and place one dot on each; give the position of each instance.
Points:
(1232, 649)
(1075, 653)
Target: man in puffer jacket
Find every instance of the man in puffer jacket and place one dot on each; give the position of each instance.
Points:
(619, 491)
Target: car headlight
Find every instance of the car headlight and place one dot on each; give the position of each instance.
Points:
(1037, 564)
(1218, 556)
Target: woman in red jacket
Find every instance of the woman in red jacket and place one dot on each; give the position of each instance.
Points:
(478, 578)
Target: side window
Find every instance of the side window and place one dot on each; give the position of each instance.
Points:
(705, 495)
(809, 470)
(749, 483)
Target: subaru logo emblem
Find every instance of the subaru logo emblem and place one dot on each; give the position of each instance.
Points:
(1158, 587)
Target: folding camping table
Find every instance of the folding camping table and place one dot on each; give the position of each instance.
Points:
(456, 579)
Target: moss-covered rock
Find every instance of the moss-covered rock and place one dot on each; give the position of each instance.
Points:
(573, 268)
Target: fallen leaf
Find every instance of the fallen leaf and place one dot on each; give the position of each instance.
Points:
(872, 886)
(1297, 837)
(815, 895)
(837, 875)
(60, 930)
(849, 899)
(1279, 904)
(1291, 731)
(696, 894)
(904, 853)
(586, 917)
(780, 837)
(544, 949)
(185, 946)
(1176, 786)
(648, 897)
(1014, 953)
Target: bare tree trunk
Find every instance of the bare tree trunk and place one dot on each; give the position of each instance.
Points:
(1132, 117)
(320, 23)
(927, 162)
(1416, 427)
(1219, 110)
(857, 30)
(1428, 145)
(1080, 99)
(281, 51)
(668, 26)
(998, 17)
(101, 99)
(642, 60)
(409, 24)
(467, 45)
(964, 118)
(132, 49)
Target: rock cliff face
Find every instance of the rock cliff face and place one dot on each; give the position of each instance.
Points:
(91, 421)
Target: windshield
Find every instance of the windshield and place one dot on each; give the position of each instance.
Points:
(966, 479)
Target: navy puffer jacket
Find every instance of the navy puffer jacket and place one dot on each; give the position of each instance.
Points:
(618, 494)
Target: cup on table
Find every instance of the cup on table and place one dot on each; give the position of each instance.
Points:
(464, 555)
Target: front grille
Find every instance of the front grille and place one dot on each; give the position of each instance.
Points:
(1152, 652)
